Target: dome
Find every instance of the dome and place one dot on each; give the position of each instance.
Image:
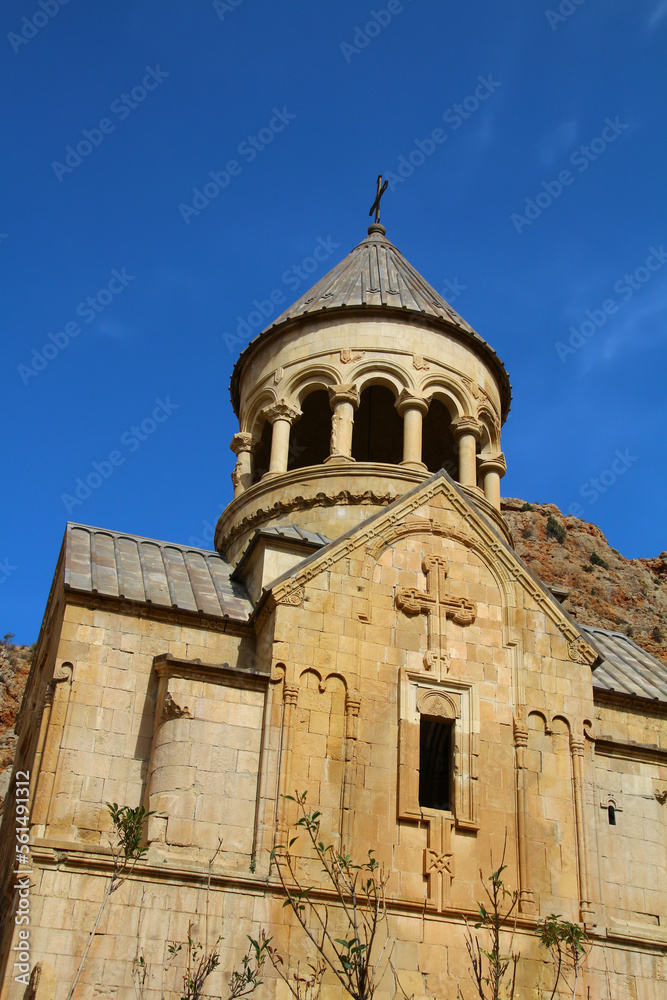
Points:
(376, 275)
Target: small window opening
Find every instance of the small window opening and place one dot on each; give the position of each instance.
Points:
(611, 813)
(435, 763)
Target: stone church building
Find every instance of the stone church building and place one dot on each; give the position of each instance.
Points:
(364, 632)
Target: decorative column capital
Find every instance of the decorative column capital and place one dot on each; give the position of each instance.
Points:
(281, 410)
(406, 401)
(344, 392)
(520, 735)
(495, 464)
(466, 425)
(290, 694)
(577, 746)
(243, 441)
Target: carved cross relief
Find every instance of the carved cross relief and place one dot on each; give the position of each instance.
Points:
(438, 606)
(439, 861)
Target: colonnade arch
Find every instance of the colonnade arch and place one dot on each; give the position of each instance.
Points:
(375, 419)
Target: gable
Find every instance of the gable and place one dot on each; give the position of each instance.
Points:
(440, 508)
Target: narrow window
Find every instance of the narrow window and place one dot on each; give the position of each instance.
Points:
(611, 813)
(435, 763)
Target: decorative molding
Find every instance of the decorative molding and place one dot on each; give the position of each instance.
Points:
(281, 410)
(578, 649)
(421, 364)
(64, 672)
(347, 355)
(438, 704)
(466, 425)
(139, 609)
(343, 392)
(408, 401)
(295, 599)
(440, 864)
(320, 499)
(243, 441)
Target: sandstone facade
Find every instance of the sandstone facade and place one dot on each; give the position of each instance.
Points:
(208, 686)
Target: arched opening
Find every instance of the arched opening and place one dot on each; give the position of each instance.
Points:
(439, 450)
(377, 435)
(262, 454)
(611, 815)
(311, 433)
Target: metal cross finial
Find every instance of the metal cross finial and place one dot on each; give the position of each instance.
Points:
(375, 207)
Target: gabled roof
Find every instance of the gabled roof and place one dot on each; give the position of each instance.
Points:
(151, 572)
(375, 275)
(627, 669)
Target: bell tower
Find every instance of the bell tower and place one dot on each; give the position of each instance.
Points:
(364, 387)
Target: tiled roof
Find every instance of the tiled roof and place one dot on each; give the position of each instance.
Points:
(375, 274)
(293, 533)
(152, 572)
(627, 668)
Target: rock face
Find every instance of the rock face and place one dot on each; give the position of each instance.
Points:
(14, 668)
(606, 589)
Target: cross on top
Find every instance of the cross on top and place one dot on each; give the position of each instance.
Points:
(438, 606)
(375, 207)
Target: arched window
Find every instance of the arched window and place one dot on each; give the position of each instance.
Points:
(262, 454)
(435, 762)
(439, 450)
(378, 429)
(311, 433)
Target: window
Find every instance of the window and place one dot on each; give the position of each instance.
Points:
(435, 763)
(611, 813)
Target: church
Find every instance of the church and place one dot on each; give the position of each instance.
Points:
(363, 632)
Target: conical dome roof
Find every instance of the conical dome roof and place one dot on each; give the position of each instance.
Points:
(376, 276)
(375, 273)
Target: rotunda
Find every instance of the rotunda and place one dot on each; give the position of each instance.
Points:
(363, 388)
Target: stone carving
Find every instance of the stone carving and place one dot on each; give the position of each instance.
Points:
(170, 710)
(321, 499)
(346, 356)
(63, 673)
(660, 796)
(438, 607)
(580, 651)
(438, 703)
(281, 410)
(295, 598)
(438, 864)
(420, 363)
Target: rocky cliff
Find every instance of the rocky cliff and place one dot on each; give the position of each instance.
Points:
(606, 589)
(14, 668)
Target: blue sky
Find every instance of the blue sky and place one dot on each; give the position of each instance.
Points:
(568, 127)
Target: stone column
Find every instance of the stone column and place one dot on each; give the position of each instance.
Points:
(526, 901)
(412, 409)
(282, 416)
(467, 431)
(352, 706)
(290, 698)
(577, 749)
(492, 470)
(344, 400)
(243, 445)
